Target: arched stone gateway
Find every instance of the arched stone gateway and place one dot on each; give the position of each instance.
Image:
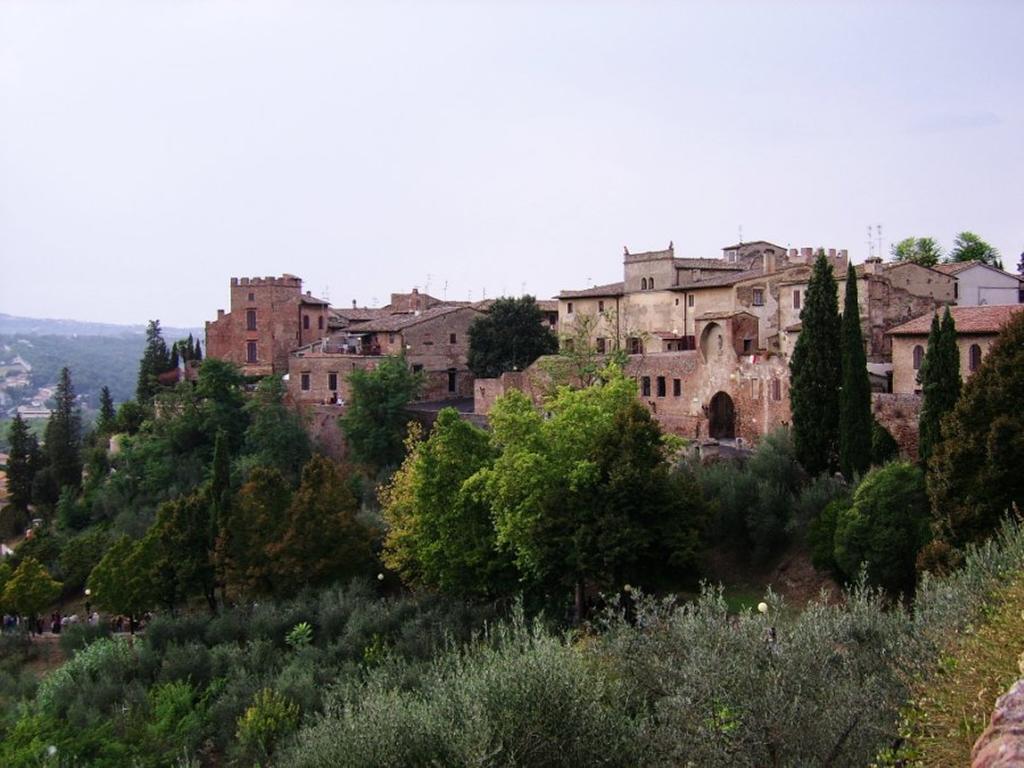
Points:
(722, 417)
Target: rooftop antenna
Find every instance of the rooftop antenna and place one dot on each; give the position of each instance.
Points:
(879, 228)
(444, 291)
(483, 293)
(590, 281)
(470, 294)
(741, 234)
(522, 288)
(327, 293)
(426, 286)
(871, 242)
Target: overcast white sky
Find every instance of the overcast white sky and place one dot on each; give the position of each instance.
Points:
(151, 150)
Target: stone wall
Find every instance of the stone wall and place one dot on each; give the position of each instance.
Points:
(1002, 743)
(899, 414)
(757, 385)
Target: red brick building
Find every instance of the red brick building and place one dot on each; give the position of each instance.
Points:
(270, 317)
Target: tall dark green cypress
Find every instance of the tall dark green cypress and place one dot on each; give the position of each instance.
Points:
(855, 421)
(106, 423)
(63, 437)
(175, 361)
(155, 360)
(939, 378)
(198, 356)
(816, 374)
(22, 461)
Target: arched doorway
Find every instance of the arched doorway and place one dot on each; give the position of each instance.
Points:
(722, 417)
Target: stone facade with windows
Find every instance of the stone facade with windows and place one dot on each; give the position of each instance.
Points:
(269, 318)
(976, 328)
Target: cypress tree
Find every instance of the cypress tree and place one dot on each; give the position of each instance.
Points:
(855, 420)
(155, 360)
(199, 352)
(939, 378)
(175, 361)
(106, 424)
(21, 463)
(63, 438)
(816, 373)
(190, 348)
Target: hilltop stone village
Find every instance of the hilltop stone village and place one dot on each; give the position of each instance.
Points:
(708, 339)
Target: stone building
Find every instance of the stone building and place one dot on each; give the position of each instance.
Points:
(434, 341)
(269, 318)
(976, 331)
(978, 284)
(709, 340)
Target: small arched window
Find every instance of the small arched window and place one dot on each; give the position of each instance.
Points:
(974, 358)
(643, 283)
(650, 283)
(918, 356)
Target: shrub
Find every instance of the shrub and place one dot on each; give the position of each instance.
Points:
(524, 697)
(885, 527)
(74, 637)
(176, 721)
(271, 717)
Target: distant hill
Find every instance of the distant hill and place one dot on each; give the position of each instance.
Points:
(12, 325)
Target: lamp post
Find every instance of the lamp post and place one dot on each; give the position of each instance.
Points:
(88, 603)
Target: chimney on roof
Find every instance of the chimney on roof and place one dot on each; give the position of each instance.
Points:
(353, 303)
(873, 266)
(415, 291)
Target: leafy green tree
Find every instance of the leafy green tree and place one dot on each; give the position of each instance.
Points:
(249, 527)
(5, 575)
(816, 373)
(185, 556)
(131, 416)
(276, 436)
(885, 527)
(155, 360)
(322, 541)
(574, 496)
(440, 532)
(939, 378)
(855, 420)
(106, 422)
(124, 580)
(80, 555)
(72, 514)
(969, 247)
(376, 417)
(22, 462)
(62, 441)
(974, 476)
(918, 250)
(509, 337)
(30, 589)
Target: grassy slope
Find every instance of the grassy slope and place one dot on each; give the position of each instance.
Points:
(952, 707)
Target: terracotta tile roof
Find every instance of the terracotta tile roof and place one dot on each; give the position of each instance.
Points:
(717, 280)
(707, 264)
(398, 322)
(988, 318)
(359, 314)
(611, 289)
(753, 242)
